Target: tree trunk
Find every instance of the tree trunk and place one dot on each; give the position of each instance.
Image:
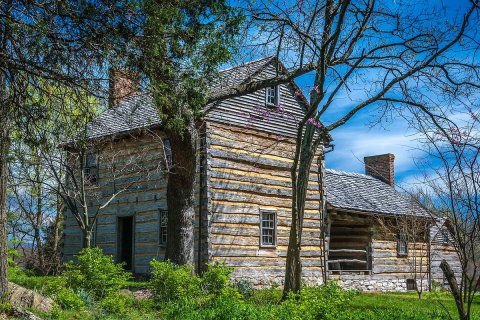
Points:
(300, 180)
(4, 147)
(181, 197)
(293, 270)
(452, 283)
(87, 238)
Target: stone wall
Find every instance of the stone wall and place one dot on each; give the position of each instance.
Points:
(374, 283)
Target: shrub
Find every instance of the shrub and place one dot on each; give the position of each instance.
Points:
(117, 303)
(245, 288)
(217, 278)
(68, 299)
(173, 282)
(95, 273)
(324, 302)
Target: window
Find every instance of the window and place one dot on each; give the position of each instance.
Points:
(91, 167)
(272, 96)
(411, 284)
(268, 228)
(167, 149)
(163, 227)
(445, 236)
(402, 244)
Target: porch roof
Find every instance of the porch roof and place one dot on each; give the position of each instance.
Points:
(360, 192)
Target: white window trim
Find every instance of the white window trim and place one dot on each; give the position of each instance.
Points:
(277, 96)
(160, 213)
(275, 228)
(399, 240)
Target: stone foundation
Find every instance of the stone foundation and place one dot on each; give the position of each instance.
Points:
(373, 283)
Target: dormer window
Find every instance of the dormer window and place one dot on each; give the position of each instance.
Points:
(272, 96)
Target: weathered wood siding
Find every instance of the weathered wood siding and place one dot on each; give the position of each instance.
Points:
(249, 111)
(143, 160)
(249, 170)
(442, 249)
(388, 270)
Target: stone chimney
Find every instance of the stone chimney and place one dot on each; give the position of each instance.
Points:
(122, 83)
(381, 167)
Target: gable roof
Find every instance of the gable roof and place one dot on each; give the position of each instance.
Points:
(138, 111)
(360, 192)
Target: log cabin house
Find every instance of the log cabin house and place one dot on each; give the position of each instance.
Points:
(243, 196)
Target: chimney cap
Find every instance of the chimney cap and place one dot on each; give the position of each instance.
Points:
(380, 156)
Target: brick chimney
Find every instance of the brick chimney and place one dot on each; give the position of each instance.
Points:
(122, 83)
(381, 167)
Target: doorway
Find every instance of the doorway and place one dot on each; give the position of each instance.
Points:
(125, 242)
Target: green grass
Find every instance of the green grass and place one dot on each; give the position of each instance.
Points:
(433, 305)
(363, 306)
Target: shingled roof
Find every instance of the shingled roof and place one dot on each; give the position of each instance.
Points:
(360, 192)
(138, 111)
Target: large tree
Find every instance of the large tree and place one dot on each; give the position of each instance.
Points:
(380, 55)
(66, 42)
(183, 43)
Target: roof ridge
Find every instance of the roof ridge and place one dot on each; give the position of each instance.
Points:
(268, 58)
(347, 173)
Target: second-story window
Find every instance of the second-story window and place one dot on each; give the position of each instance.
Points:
(272, 95)
(167, 149)
(268, 228)
(91, 167)
(163, 227)
(402, 244)
(445, 236)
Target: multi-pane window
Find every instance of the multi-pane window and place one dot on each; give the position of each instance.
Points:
(167, 149)
(402, 244)
(163, 227)
(91, 167)
(268, 226)
(445, 236)
(272, 96)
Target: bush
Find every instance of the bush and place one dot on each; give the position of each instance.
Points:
(324, 302)
(173, 282)
(117, 303)
(95, 273)
(217, 278)
(68, 299)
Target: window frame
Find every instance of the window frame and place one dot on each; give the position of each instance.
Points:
(276, 96)
(167, 151)
(91, 170)
(445, 234)
(402, 237)
(262, 244)
(162, 227)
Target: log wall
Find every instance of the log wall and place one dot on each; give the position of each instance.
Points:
(143, 171)
(249, 171)
(388, 270)
(443, 249)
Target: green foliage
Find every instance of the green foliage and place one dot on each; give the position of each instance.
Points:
(68, 299)
(245, 288)
(324, 302)
(173, 282)
(117, 303)
(95, 273)
(183, 46)
(217, 278)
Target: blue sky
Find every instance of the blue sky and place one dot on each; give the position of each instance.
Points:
(360, 137)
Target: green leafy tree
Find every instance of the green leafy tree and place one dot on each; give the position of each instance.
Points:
(184, 43)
